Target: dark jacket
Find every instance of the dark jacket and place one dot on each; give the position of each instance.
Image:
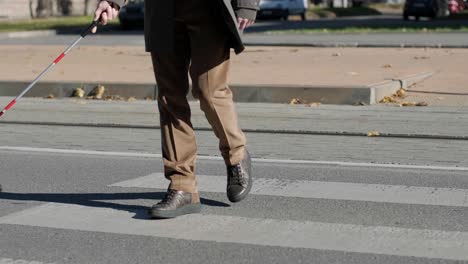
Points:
(159, 22)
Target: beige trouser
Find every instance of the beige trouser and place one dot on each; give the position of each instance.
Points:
(201, 50)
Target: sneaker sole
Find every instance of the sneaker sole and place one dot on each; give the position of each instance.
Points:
(187, 209)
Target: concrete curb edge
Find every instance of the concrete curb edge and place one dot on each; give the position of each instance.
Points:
(349, 95)
(389, 87)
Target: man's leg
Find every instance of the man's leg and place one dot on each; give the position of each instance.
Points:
(177, 135)
(209, 71)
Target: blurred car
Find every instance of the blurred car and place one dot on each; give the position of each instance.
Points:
(282, 9)
(425, 8)
(132, 14)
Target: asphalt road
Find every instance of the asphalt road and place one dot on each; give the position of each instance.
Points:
(79, 195)
(260, 34)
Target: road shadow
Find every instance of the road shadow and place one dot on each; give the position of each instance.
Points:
(96, 200)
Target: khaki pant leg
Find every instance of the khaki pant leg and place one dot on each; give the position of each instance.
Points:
(177, 135)
(209, 72)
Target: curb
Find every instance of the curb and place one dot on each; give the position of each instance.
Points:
(28, 34)
(389, 87)
(350, 95)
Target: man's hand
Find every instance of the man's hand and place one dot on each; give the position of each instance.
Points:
(244, 23)
(105, 11)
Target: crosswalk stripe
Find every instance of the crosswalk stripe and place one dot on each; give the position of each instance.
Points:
(256, 231)
(323, 190)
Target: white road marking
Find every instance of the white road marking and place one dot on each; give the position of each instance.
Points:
(259, 160)
(19, 261)
(256, 231)
(322, 190)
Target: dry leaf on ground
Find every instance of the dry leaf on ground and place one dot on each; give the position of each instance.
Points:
(295, 101)
(337, 54)
(373, 134)
(315, 104)
(387, 99)
(50, 96)
(131, 99)
(408, 104)
(422, 104)
(98, 92)
(387, 66)
(400, 93)
(78, 92)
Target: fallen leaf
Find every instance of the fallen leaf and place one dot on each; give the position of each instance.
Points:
(422, 104)
(387, 99)
(400, 93)
(148, 98)
(315, 104)
(50, 96)
(373, 134)
(337, 54)
(408, 104)
(295, 101)
(78, 92)
(387, 66)
(98, 92)
(131, 99)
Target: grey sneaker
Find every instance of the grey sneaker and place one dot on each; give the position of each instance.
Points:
(176, 203)
(239, 179)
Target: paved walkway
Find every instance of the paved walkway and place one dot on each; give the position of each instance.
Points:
(278, 66)
(400, 122)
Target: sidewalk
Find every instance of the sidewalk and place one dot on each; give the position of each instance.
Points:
(311, 73)
(388, 121)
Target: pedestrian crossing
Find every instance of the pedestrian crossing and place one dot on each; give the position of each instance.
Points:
(285, 233)
(323, 190)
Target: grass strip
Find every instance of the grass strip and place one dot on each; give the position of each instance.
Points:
(53, 23)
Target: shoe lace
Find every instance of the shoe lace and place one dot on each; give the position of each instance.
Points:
(168, 197)
(237, 175)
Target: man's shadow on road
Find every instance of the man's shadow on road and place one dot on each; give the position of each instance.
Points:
(94, 200)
